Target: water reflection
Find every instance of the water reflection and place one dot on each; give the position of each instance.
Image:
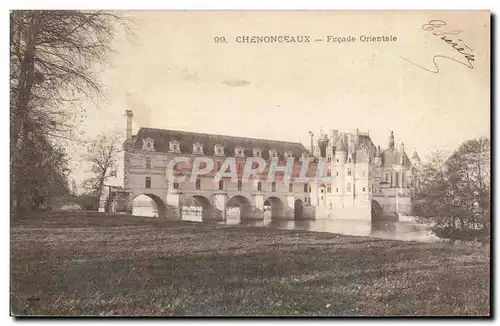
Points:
(405, 230)
(408, 231)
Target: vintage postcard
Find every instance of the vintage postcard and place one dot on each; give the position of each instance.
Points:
(250, 163)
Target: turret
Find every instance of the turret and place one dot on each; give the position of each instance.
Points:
(391, 140)
(415, 159)
(378, 157)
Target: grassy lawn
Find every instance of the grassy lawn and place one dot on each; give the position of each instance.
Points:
(92, 264)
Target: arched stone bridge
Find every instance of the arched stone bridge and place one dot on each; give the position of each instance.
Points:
(214, 204)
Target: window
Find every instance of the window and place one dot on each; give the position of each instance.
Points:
(273, 187)
(337, 190)
(349, 172)
(337, 173)
(305, 187)
(259, 186)
(219, 165)
(364, 189)
(348, 187)
(198, 184)
(329, 159)
(349, 160)
(329, 189)
(337, 160)
(290, 187)
(328, 173)
(240, 185)
(176, 185)
(397, 179)
(370, 174)
(322, 190)
(148, 182)
(148, 163)
(221, 185)
(386, 177)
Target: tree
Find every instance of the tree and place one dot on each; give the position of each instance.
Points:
(54, 56)
(454, 193)
(102, 155)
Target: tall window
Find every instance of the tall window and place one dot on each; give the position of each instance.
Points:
(148, 163)
(221, 185)
(148, 182)
(305, 187)
(240, 185)
(397, 179)
(349, 172)
(329, 189)
(329, 173)
(348, 187)
(176, 185)
(290, 187)
(259, 186)
(273, 187)
(198, 184)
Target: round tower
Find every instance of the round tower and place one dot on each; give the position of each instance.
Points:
(415, 159)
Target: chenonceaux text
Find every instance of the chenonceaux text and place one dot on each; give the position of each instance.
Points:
(310, 39)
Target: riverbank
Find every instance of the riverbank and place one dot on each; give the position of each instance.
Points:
(97, 264)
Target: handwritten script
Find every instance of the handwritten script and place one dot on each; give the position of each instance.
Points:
(439, 29)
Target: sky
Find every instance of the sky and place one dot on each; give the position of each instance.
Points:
(173, 75)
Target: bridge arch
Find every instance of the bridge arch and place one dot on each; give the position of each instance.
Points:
(298, 209)
(244, 205)
(197, 203)
(157, 205)
(377, 211)
(274, 207)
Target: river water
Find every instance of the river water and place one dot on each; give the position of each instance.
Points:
(407, 230)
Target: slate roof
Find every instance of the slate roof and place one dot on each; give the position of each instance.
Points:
(162, 138)
(393, 156)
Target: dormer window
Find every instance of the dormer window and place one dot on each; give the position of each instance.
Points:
(304, 155)
(175, 146)
(197, 148)
(239, 152)
(148, 144)
(288, 155)
(257, 152)
(219, 150)
(273, 153)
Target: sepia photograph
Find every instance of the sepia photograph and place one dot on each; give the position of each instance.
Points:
(250, 163)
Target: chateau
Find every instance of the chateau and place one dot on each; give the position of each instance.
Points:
(367, 181)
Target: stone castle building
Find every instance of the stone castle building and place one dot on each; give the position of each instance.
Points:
(367, 182)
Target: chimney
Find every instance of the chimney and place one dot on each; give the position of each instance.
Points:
(311, 143)
(129, 115)
(357, 137)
